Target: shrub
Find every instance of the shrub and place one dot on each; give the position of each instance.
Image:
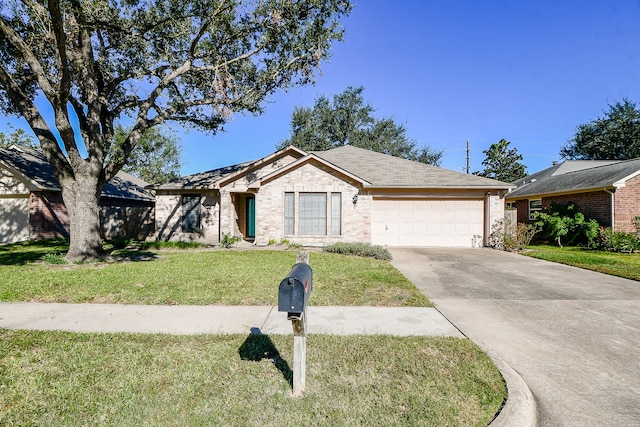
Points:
(619, 241)
(121, 242)
(512, 238)
(228, 241)
(161, 244)
(565, 222)
(359, 249)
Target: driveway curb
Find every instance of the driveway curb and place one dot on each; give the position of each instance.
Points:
(520, 409)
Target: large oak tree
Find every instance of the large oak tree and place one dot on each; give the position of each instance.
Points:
(93, 62)
(615, 136)
(348, 119)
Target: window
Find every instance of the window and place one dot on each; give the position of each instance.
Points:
(289, 213)
(336, 214)
(535, 205)
(312, 216)
(191, 213)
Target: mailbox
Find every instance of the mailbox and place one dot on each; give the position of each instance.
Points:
(295, 289)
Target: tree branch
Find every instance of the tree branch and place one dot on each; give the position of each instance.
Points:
(39, 126)
(30, 58)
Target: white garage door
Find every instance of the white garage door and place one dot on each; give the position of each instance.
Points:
(14, 219)
(427, 222)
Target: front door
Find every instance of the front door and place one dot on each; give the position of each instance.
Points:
(251, 218)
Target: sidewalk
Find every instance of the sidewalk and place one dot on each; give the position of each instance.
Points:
(213, 319)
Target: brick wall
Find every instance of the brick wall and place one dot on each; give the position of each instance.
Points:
(627, 205)
(48, 216)
(594, 205)
(168, 217)
(356, 219)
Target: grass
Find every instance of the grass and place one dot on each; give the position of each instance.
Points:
(613, 263)
(65, 379)
(223, 277)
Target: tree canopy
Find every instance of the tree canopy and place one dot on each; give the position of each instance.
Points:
(615, 136)
(348, 119)
(17, 137)
(95, 62)
(156, 157)
(502, 163)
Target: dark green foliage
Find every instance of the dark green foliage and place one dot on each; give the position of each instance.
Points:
(18, 137)
(156, 158)
(359, 249)
(616, 136)
(228, 241)
(565, 222)
(502, 163)
(619, 241)
(348, 120)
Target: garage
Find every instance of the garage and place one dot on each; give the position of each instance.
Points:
(432, 222)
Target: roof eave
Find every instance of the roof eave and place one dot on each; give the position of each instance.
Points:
(442, 187)
(565, 192)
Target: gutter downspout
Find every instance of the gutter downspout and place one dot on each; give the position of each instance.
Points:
(487, 219)
(613, 211)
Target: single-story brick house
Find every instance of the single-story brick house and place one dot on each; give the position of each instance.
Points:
(605, 190)
(31, 205)
(316, 198)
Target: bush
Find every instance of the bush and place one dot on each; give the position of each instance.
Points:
(359, 249)
(512, 238)
(619, 241)
(565, 222)
(162, 244)
(229, 240)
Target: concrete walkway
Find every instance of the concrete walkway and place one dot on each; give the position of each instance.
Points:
(573, 335)
(211, 319)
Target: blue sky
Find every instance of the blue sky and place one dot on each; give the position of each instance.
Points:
(457, 70)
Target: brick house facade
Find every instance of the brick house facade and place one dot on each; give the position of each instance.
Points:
(321, 198)
(607, 191)
(32, 208)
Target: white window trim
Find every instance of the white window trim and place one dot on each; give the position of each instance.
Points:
(537, 209)
(329, 217)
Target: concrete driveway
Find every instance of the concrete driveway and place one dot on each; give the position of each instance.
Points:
(573, 335)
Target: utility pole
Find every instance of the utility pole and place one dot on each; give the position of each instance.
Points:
(467, 156)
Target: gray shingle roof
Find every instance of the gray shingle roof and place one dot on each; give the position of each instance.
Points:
(203, 179)
(382, 170)
(33, 165)
(575, 176)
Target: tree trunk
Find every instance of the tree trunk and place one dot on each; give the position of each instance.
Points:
(81, 197)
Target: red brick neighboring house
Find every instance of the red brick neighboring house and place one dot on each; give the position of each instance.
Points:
(605, 190)
(31, 205)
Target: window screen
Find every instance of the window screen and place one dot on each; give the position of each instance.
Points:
(190, 213)
(312, 216)
(534, 206)
(289, 213)
(336, 214)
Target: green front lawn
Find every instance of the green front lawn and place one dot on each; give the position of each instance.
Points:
(614, 263)
(65, 379)
(223, 277)
(70, 379)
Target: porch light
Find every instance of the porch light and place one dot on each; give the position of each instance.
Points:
(355, 199)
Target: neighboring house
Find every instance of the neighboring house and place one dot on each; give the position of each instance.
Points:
(605, 190)
(31, 205)
(347, 194)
